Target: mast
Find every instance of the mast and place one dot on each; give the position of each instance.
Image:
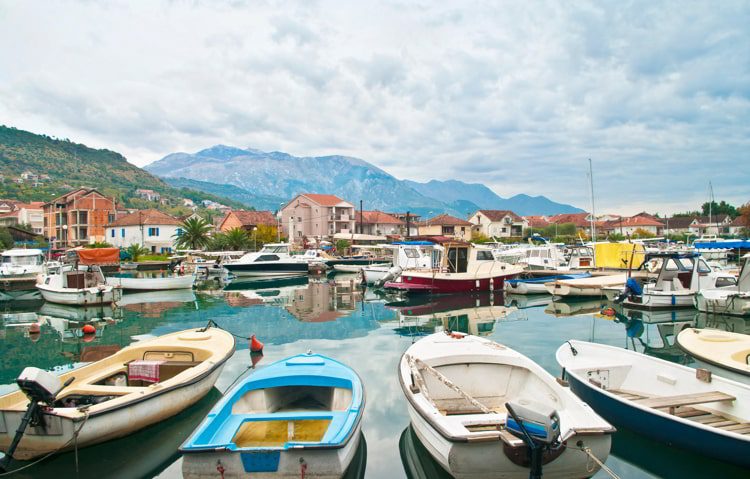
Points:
(710, 202)
(593, 209)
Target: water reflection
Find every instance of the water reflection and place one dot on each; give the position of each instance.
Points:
(366, 329)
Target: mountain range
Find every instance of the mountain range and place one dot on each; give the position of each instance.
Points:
(267, 179)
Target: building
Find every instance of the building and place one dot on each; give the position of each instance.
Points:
(377, 223)
(247, 220)
(714, 225)
(537, 222)
(78, 217)
(410, 219)
(149, 195)
(679, 225)
(152, 229)
(629, 226)
(31, 214)
(317, 216)
(498, 223)
(446, 225)
(739, 227)
(582, 221)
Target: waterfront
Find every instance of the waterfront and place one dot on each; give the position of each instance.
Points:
(366, 331)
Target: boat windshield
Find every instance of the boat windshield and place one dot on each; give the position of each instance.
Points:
(275, 248)
(23, 260)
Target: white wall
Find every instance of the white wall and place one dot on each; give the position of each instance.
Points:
(140, 235)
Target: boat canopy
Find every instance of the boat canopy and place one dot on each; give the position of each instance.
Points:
(98, 256)
(414, 243)
(619, 255)
(22, 252)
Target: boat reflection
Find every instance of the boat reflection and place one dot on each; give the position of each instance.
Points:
(153, 304)
(472, 314)
(578, 307)
(416, 459)
(525, 301)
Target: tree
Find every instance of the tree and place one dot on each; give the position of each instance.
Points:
(193, 234)
(237, 239)
(266, 234)
(6, 240)
(135, 251)
(641, 233)
(721, 208)
(744, 212)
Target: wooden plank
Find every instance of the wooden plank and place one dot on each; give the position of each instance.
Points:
(708, 420)
(510, 439)
(627, 391)
(685, 399)
(691, 413)
(737, 426)
(723, 424)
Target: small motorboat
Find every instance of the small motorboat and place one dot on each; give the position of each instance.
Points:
(158, 283)
(728, 300)
(137, 386)
(592, 286)
(80, 288)
(680, 406)
(467, 396)
(722, 351)
(535, 285)
(300, 416)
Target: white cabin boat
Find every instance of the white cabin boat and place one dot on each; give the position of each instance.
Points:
(78, 287)
(406, 255)
(21, 263)
(273, 260)
(458, 388)
(727, 300)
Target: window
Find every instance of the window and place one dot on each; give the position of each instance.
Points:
(111, 218)
(484, 256)
(179, 232)
(122, 232)
(722, 282)
(267, 257)
(504, 230)
(299, 219)
(153, 231)
(112, 233)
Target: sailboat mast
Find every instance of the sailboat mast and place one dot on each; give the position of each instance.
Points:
(593, 209)
(710, 202)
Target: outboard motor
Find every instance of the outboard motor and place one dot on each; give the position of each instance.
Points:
(42, 388)
(539, 427)
(392, 273)
(632, 288)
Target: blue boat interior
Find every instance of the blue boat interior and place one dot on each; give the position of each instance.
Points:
(305, 401)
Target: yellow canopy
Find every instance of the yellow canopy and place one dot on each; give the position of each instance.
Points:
(618, 255)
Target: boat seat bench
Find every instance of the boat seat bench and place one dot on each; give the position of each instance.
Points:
(684, 399)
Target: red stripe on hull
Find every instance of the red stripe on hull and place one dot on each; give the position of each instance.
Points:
(419, 284)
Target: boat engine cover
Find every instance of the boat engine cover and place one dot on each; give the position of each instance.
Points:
(39, 385)
(541, 421)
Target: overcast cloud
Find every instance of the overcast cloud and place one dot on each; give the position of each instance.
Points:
(513, 94)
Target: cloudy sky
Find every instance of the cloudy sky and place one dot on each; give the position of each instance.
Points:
(516, 95)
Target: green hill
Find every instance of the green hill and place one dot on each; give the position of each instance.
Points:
(70, 165)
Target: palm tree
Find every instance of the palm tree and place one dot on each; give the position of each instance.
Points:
(236, 239)
(193, 234)
(135, 251)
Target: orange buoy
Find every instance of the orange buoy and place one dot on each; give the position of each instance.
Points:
(88, 329)
(255, 345)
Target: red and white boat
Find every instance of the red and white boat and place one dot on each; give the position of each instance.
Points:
(457, 267)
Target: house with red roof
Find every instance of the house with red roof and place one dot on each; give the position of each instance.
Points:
(739, 226)
(317, 216)
(15, 213)
(628, 226)
(498, 223)
(152, 229)
(446, 225)
(78, 217)
(377, 223)
(247, 220)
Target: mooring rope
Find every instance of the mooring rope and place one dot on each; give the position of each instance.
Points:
(591, 455)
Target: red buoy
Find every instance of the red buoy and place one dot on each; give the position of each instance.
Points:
(34, 328)
(88, 329)
(255, 345)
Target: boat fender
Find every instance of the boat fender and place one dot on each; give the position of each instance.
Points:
(88, 329)
(456, 334)
(255, 345)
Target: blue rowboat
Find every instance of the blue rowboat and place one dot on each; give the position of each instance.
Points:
(298, 416)
(536, 285)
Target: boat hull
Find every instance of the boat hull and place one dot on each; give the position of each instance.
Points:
(152, 284)
(81, 297)
(731, 303)
(445, 284)
(106, 426)
(663, 429)
(268, 269)
(661, 300)
(323, 463)
(525, 288)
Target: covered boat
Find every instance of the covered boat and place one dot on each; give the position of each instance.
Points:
(459, 388)
(535, 285)
(300, 416)
(723, 351)
(137, 386)
(667, 402)
(273, 260)
(457, 268)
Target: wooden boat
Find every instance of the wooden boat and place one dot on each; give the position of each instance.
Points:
(78, 288)
(714, 349)
(673, 404)
(461, 268)
(732, 301)
(299, 416)
(139, 385)
(585, 286)
(536, 285)
(458, 388)
(164, 283)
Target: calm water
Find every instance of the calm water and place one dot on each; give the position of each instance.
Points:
(366, 331)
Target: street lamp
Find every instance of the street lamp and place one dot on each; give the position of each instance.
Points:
(255, 241)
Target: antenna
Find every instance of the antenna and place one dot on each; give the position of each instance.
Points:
(593, 210)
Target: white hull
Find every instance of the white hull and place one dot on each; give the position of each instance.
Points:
(662, 300)
(525, 288)
(723, 302)
(153, 284)
(373, 275)
(593, 286)
(321, 463)
(268, 274)
(80, 297)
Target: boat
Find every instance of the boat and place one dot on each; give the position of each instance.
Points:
(273, 259)
(458, 268)
(728, 300)
(147, 283)
(299, 416)
(574, 306)
(356, 268)
(138, 386)
(458, 388)
(355, 263)
(78, 288)
(673, 404)
(535, 285)
(406, 255)
(19, 263)
(723, 352)
(681, 276)
(592, 286)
